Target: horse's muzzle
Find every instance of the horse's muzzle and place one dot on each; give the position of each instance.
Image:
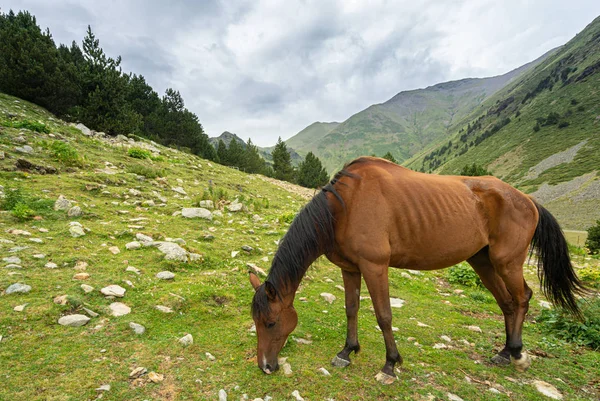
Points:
(268, 368)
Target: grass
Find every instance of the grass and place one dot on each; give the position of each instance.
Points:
(211, 298)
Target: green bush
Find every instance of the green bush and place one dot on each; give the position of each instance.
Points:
(593, 239)
(536, 128)
(563, 124)
(287, 218)
(12, 197)
(138, 153)
(590, 275)
(566, 326)
(146, 171)
(64, 153)
(23, 212)
(30, 125)
(463, 274)
(474, 170)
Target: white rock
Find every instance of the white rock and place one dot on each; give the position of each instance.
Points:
(328, 297)
(166, 275)
(73, 320)
(476, 329)
(104, 387)
(87, 288)
(13, 266)
(137, 328)
(119, 309)
(51, 265)
(12, 259)
(324, 372)
(196, 212)
(186, 340)
(210, 356)
(545, 304)
(446, 338)
(20, 308)
(235, 207)
(133, 245)
(453, 397)
(144, 239)
(137, 372)
(114, 250)
(172, 251)
(134, 192)
(39, 256)
(37, 240)
(75, 211)
(76, 231)
(222, 395)
(84, 130)
(164, 309)
(179, 190)
(62, 203)
(422, 324)
(287, 369)
(132, 269)
(297, 395)
(440, 346)
(299, 340)
(114, 290)
(18, 288)
(234, 253)
(547, 389)
(396, 302)
(208, 204)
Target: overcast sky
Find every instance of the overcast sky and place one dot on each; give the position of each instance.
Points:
(264, 69)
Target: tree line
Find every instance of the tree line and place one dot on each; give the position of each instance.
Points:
(83, 84)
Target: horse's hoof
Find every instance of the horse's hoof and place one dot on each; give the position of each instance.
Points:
(500, 360)
(339, 362)
(384, 378)
(522, 363)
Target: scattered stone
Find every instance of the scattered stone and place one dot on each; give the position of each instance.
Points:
(76, 231)
(458, 291)
(300, 340)
(62, 203)
(20, 232)
(234, 253)
(75, 211)
(39, 256)
(341, 288)
(134, 192)
(164, 309)
(406, 275)
(137, 328)
(145, 240)
(37, 240)
(114, 250)
(328, 297)
(297, 395)
(196, 212)
(60, 300)
(547, 389)
(114, 290)
(235, 207)
(247, 248)
(81, 276)
(119, 309)
(133, 245)
(73, 320)
(12, 259)
(132, 269)
(210, 356)
(87, 288)
(422, 324)
(90, 312)
(287, 369)
(476, 329)
(440, 346)
(179, 190)
(172, 251)
(20, 308)
(453, 397)
(137, 372)
(396, 302)
(18, 288)
(222, 395)
(13, 266)
(81, 265)
(166, 275)
(51, 265)
(208, 204)
(446, 338)
(104, 387)
(84, 130)
(186, 340)
(324, 372)
(545, 304)
(155, 377)
(24, 149)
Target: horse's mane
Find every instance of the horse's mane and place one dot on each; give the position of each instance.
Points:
(310, 235)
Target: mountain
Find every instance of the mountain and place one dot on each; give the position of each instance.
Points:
(403, 125)
(226, 137)
(541, 133)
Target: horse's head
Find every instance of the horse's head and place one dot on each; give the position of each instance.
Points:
(275, 318)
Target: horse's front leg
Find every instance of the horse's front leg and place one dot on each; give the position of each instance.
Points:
(352, 295)
(376, 278)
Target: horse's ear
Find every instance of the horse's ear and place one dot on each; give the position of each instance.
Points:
(254, 280)
(271, 291)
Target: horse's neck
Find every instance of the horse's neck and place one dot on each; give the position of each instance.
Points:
(287, 287)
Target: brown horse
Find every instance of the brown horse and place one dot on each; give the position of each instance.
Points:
(375, 214)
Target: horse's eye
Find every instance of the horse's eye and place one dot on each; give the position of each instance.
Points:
(271, 324)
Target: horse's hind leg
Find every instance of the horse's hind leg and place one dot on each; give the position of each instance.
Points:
(493, 282)
(352, 295)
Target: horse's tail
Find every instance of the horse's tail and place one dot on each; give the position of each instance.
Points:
(559, 282)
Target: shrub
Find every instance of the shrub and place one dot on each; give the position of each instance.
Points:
(566, 326)
(138, 153)
(287, 218)
(474, 170)
(536, 128)
(574, 102)
(12, 197)
(563, 124)
(463, 274)
(23, 212)
(589, 275)
(593, 239)
(64, 153)
(30, 125)
(580, 108)
(145, 171)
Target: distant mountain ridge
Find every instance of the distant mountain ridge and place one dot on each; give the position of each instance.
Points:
(405, 124)
(227, 137)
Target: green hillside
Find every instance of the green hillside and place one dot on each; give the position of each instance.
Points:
(405, 124)
(123, 203)
(541, 133)
(313, 133)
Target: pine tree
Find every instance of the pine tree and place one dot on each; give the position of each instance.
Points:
(253, 162)
(222, 154)
(311, 173)
(235, 152)
(282, 162)
(390, 157)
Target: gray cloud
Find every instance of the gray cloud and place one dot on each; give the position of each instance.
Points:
(265, 69)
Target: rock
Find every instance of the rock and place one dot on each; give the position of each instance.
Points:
(20, 232)
(84, 130)
(297, 395)
(24, 149)
(75, 211)
(12, 259)
(217, 213)
(134, 192)
(13, 266)
(196, 212)
(422, 324)
(439, 346)
(149, 203)
(39, 256)
(73, 320)
(17, 288)
(133, 245)
(76, 231)
(137, 372)
(164, 309)
(208, 204)
(446, 338)
(20, 308)
(547, 389)
(458, 291)
(396, 302)
(37, 240)
(328, 297)
(87, 288)
(172, 251)
(186, 340)
(302, 341)
(137, 328)
(545, 304)
(2, 155)
(119, 309)
(145, 240)
(155, 377)
(80, 265)
(476, 329)
(222, 395)
(287, 369)
(453, 397)
(51, 265)
(114, 250)
(166, 275)
(210, 356)
(234, 253)
(60, 299)
(179, 190)
(132, 269)
(81, 276)
(114, 290)
(324, 372)
(247, 248)
(104, 387)
(90, 312)
(62, 203)
(406, 275)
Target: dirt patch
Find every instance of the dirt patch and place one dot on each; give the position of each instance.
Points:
(506, 163)
(305, 193)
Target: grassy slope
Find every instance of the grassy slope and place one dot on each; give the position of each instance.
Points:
(516, 148)
(310, 134)
(44, 361)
